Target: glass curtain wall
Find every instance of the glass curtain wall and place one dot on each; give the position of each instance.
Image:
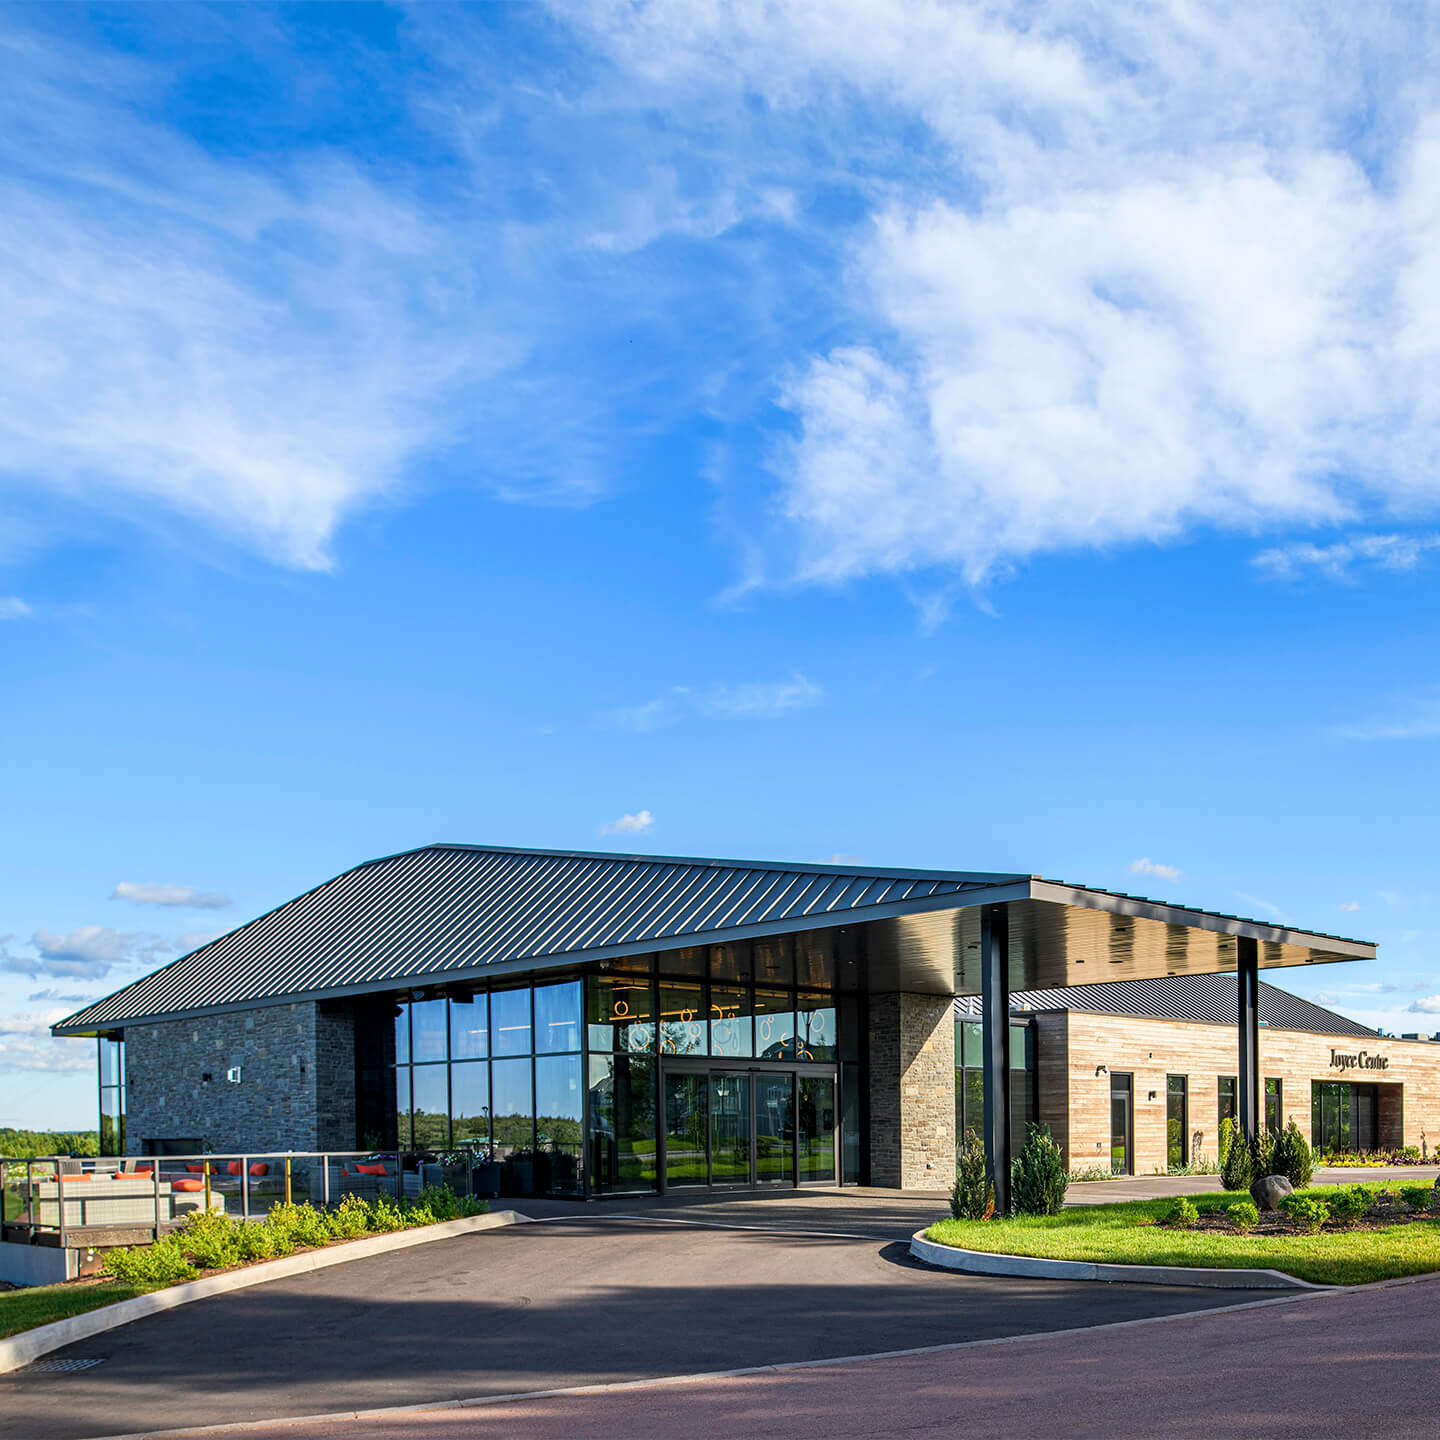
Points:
(970, 1081)
(111, 1060)
(514, 1071)
(499, 1071)
(772, 1000)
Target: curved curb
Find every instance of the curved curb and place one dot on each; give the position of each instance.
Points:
(29, 1345)
(987, 1262)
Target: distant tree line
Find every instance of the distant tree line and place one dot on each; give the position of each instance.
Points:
(25, 1144)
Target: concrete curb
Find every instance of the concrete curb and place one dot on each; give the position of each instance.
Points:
(29, 1345)
(987, 1262)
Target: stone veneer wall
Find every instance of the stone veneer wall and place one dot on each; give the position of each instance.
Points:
(912, 1091)
(296, 1088)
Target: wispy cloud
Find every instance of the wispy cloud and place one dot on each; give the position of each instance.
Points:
(1147, 866)
(181, 896)
(1349, 905)
(1429, 1005)
(635, 824)
(26, 1044)
(55, 997)
(12, 607)
(1341, 560)
(1416, 717)
(1262, 907)
(753, 701)
(840, 857)
(90, 952)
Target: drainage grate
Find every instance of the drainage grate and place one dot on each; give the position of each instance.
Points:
(63, 1367)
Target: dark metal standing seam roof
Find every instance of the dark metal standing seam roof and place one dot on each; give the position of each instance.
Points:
(1210, 999)
(446, 909)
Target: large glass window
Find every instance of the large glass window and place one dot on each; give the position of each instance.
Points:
(622, 1123)
(1229, 1105)
(731, 1026)
(469, 1027)
(775, 1024)
(402, 1033)
(775, 961)
(970, 1081)
(431, 1102)
(400, 1090)
(111, 1062)
(559, 1114)
(621, 1015)
(1274, 1105)
(682, 1024)
(815, 1027)
(510, 1022)
(428, 1030)
(1177, 1121)
(470, 1101)
(513, 1124)
(557, 1017)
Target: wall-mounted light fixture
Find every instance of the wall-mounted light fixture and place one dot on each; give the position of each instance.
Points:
(1102, 1070)
(1152, 1094)
(233, 1074)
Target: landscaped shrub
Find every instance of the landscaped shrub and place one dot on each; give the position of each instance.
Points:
(209, 1239)
(1349, 1203)
(1037, 1177)
(1418, 1197)
(1305, 1214)
(1262, 1154)
(385, 1215)
(1291, 1157)
(1243, 1215)
(350, 1218)
(263, 1241)
(1182, 1214)
(973, 1197)
(163, 1263)
(1237, 1169)
(1227, 1133)
(303, 1223)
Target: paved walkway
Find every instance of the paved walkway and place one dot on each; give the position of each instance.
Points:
(589, 1297)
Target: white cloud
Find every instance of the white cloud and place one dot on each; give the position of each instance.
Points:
(762, 700)
(1264, 907)
(12, 607)
(89, 952)
(840, 857)
(1349, 905)
(182, 896)
(55, 997)
(26, 1044)
(1339, 561)
(1147, 866)
(1429, 1005)
(634, 824)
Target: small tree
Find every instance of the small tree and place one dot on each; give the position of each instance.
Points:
(1237, 1169)
(1037, 1177)
(1291, 1157)
(973, 1197)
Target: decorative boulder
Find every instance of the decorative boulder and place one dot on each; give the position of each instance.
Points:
(1268, 1191)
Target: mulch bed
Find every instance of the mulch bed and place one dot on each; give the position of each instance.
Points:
(1381, 1215)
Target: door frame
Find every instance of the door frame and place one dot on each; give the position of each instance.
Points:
(711, 1064)
(1129, 1093)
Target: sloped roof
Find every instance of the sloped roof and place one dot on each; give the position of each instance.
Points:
(443, 910)
(1210, 999)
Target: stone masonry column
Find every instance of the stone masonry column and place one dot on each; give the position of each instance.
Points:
(912, 1091)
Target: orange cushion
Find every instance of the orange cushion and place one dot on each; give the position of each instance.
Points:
(187, 1184)
(259, 1169)
(235, 1167)
(196, 1169)
(143, 1170)
(71, 1179)
(370, 1170)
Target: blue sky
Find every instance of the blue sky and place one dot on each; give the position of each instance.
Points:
(993, 438)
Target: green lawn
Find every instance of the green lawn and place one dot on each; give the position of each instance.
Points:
(39, 1305)
(1122, 1235)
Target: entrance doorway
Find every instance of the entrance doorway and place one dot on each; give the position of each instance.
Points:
(770, 1126)
(1122, 1125)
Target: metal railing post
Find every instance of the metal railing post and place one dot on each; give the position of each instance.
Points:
(60, 1197)
(244, 1187)
(325, 1181)
(206, 1163)
(155, 1180)
(287, 1179)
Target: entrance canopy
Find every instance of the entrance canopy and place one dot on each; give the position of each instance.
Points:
(454, 913)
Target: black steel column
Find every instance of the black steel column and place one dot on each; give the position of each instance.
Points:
(1247, 976)
(995, 1035)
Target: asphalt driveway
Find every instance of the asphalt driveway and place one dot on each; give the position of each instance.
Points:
(586, 1297)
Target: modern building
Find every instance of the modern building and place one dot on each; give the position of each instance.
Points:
(1136, 1076)
(612, 1023)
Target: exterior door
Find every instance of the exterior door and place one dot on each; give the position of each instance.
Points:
(815, 1115)
(687, 1095)
(731, 1162)
(774, 1127)
(1122, 1129)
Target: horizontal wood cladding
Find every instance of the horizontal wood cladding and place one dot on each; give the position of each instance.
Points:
(1151, 1050)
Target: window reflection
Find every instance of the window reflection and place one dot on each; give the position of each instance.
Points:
(510, 1022)
(469, 1027)
(621, 1014)
(731, 1028)
(682, 1025)
(557, 1017)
